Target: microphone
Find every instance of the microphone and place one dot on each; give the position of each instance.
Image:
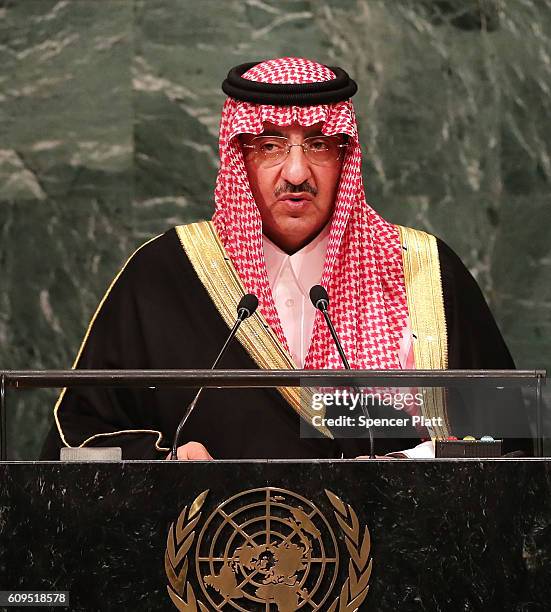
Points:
(319, 297)
(246, 308)
(320, 301)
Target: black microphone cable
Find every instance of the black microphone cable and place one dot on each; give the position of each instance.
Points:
(246, 308)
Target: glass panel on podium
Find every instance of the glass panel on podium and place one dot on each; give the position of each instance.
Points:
(474, 407)
(412, 406)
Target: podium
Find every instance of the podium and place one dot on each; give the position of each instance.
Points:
(334, 536)
(444, 534)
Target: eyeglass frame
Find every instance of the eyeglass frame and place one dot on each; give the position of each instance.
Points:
(301, 145)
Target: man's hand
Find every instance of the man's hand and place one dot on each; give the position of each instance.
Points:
(192, 451)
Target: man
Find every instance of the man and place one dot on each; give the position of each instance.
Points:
(290, 213)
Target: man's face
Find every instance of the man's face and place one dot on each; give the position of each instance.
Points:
(296, 196)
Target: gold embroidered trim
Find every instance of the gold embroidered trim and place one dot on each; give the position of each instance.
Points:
(62, 394)
(425, 303)
(216, 272)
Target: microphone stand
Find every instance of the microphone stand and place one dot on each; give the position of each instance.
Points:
(322, 303)
(243, 312)
(335, 338)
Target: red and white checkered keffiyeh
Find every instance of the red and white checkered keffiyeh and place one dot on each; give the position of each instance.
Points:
(363, 270)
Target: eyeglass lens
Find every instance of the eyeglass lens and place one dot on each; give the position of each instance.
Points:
(321, 150)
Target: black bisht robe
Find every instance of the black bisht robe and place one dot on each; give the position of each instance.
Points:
(158, 315)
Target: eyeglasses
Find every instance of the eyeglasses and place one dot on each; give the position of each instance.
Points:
(272, 150)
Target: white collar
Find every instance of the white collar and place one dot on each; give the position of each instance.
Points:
(306, 264)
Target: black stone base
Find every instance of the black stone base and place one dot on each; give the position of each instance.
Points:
(457, 535)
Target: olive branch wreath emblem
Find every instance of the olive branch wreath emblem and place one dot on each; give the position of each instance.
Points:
(356, 586)
(181, 536)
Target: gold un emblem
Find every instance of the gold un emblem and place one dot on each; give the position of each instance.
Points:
(267, 550)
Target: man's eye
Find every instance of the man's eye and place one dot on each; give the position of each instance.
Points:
(270, 146)
(319, 145)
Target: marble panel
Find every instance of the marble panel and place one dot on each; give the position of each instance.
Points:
(66, 184)
(109, 114)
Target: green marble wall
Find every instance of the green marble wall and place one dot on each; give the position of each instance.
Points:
(108, 122)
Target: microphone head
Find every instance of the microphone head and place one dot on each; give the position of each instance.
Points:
(319, 297)
(247, 306)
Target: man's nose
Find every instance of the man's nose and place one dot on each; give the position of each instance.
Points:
(296, 168)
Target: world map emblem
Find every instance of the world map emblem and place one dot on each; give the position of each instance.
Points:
(267, 549)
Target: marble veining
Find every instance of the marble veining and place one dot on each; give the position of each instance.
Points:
(109, 114)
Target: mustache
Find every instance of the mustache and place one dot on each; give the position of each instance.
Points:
(304, 187)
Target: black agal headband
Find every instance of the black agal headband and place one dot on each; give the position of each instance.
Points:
(342, 87)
